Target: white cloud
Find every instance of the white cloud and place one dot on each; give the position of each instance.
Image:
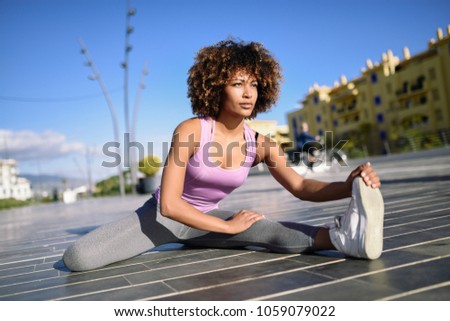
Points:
(29, 145)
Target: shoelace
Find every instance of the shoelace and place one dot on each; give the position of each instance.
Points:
(337, 221)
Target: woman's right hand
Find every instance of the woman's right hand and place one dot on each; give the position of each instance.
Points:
(242, 220)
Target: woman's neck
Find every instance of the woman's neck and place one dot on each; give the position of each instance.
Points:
(230, 126)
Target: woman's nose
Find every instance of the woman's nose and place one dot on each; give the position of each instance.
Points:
(247, 92)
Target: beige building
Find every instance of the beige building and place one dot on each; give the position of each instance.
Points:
(279, 133)
(395, 104)
(12, 186)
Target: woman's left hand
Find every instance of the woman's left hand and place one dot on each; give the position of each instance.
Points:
(368, 174)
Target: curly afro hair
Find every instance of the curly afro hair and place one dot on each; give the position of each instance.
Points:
(216, 64)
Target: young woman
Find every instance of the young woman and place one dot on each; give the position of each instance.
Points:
(211, 155)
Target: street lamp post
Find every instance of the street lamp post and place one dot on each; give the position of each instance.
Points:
(97, 76)
(136, 108)
(125, 64)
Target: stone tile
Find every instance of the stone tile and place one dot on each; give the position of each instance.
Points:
(69, 290)
(420, 215)
(16, 271)
(53, 281)
(351, 267)
(25, 254)
(232, 275)
(251, 289)
(194, 267)
(438, 294)
(15, 264)
(413, 277)
(104, 273)
(157, 256)
(417, 226)
(198, 257)
(138, 292)
(351, 290)
(320, 257)
(28, 277)
(437, 248)
(417, 237)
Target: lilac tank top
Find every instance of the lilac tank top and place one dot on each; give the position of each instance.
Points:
(206, 183)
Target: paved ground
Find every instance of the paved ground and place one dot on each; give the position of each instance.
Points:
(414, 265)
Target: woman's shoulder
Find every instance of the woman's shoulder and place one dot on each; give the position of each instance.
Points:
(191, 126)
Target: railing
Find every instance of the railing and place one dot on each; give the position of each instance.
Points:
(413, 141)
(419, 141)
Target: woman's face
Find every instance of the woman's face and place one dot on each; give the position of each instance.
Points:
(240, 95)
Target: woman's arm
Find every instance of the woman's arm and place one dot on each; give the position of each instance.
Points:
(185, 142)
(310, 189)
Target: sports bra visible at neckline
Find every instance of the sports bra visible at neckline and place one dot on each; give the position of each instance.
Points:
(249, 143)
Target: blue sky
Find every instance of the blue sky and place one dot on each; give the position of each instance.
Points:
(51, 113)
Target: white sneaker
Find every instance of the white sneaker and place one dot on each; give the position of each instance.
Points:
(359, 232)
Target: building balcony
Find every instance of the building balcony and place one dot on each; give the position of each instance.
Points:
(402, 112)
(347, 110)
(347, 127)
(407, 90)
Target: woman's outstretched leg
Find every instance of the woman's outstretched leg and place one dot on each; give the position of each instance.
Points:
(122, 239)
(282, 237)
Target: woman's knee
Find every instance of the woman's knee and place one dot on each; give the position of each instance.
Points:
(77, 259)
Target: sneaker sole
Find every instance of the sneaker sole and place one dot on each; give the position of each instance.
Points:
(371, 201)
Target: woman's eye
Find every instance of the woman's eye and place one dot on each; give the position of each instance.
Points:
(237, 84)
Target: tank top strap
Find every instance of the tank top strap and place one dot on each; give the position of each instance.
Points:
(251, 144)
(207, 129)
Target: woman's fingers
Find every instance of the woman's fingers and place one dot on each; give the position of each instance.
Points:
(243, 219)
(368, 174)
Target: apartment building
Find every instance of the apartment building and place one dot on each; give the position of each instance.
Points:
(12, 186)
(394, 103)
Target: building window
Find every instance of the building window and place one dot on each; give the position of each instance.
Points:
(320, 132)
(383, 135)
(405, 87)
(335, 123)
(316, 99)
(423, 100)
(408, 104)
(333, 107)
(318, 118)
(377, 100)
(438, 115)
(380, 118)
(432, 73)
(419, 84)
(435, 94)
(374, 78)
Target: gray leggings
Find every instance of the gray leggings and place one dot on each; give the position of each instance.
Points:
(147, 228)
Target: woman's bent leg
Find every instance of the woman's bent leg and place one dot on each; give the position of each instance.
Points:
(281, 237)
(122, 239)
